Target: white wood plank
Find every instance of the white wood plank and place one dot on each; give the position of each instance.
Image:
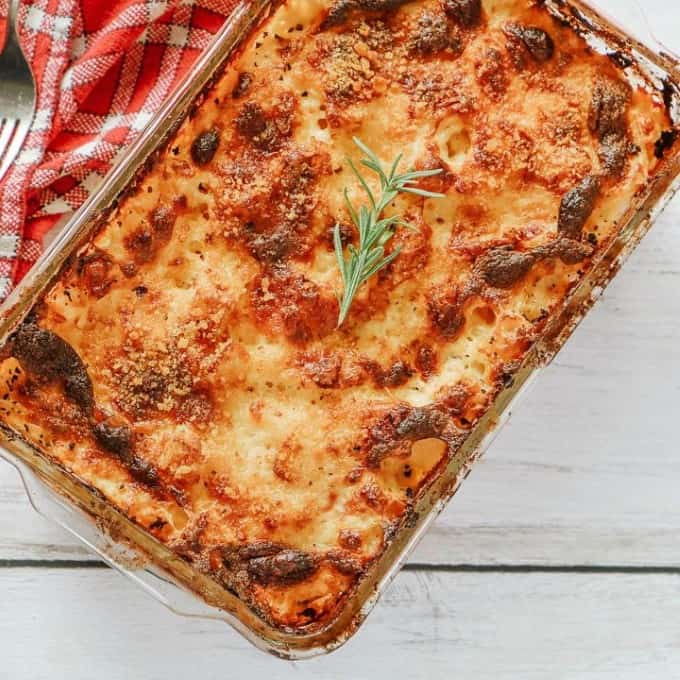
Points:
(80, 624)
(586, 472)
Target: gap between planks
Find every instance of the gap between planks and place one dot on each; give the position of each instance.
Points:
(413, 567)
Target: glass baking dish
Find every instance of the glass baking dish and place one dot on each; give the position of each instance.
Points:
(125, 546)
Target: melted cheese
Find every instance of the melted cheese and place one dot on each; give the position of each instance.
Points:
(205, 308)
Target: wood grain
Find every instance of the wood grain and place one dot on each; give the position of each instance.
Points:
(80, 624)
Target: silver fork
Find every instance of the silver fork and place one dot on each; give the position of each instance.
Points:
(17, 94)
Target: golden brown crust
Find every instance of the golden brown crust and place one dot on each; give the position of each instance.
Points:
(187, 364)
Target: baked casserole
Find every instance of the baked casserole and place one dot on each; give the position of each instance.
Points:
(188, 364)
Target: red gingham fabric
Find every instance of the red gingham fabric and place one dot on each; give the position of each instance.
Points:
(102, 68)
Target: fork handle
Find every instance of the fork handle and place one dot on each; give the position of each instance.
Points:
(12, 17)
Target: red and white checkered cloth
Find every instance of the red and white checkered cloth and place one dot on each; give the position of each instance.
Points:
(102, 68)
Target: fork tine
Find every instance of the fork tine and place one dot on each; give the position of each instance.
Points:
(6, 130)
(20, 132)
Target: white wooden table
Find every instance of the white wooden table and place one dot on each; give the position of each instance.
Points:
(560, 557)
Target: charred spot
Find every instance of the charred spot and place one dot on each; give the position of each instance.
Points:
(114, 439)
(245, 80)
(422, 423)
(143, 471)
(614, 151)
(157, 524)
(285, 459)
(129, 269)
(148, 238)
(607, 120)
(445, 309)
(141, 291)
(190, 543)
(431, 33)
(621, 59)
(503, 267)
(453, 400)
(665, 142)
(382, 437)
(467, 13)
(402, 424)
(94, 269)
(503, 374)
(426, 361)
(234, 557)
(568, 250)
(140, 243)
(152, 386)
(260, 549)
(297, 176)
(324, 370)
(377, 35)
(204, 147)
(608, 107)
(506, 379)
(289, 303)
(670, 93)
(341, 10)
(150, 380)
(353, 476)
(396, 375)
(163, 220)
(45, 355)
(284, 568)
(346, 76)
(338, 13)
(251, 121)
(350, 540)
(78, 388)
(118, 440)
(372, 495)
(538, 42)
(577, 206)
(344, 562)
(491, 74)
(274, 231)
(196, 407)
(268, 247)
(265, 131)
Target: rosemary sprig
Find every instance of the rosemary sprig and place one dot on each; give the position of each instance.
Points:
(375, 231)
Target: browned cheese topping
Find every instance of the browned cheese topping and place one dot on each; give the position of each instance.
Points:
(188, 365)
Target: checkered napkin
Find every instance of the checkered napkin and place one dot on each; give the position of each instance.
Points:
(102, 68)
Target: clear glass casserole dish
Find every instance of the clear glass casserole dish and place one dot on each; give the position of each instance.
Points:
(131, 550)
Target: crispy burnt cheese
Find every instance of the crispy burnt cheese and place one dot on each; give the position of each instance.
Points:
(187, 364)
